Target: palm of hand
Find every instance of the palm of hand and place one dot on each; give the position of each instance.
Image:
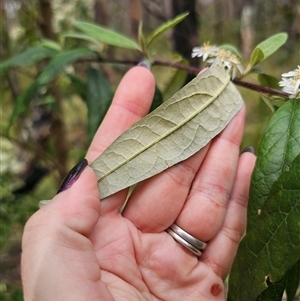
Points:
(150, 266)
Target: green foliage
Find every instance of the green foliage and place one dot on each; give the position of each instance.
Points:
(106, 35)
(27, 58)
(177, 80)
(52, 70)
(157, 99)
(164, 27)
(98, 98)
(271, 246)
(265, 49)
(81, 36)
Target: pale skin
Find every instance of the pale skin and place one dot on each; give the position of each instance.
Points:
(78, 248)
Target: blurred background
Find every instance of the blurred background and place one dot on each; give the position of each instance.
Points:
(54, 131)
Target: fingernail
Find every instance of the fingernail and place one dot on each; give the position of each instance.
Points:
(44, 203)
(73, 175)
(248, 149)
(146, 64)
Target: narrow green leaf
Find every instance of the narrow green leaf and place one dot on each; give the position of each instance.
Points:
(278, 148)
(272, 247)
(175, 83)
(78, 85)
(270, 45)
(27, 58)
(173, 132)
(157, 99)
(106, 36)
(164, 27)
(51, 45)
(22, 103)
(99, 96)
(56, 66)
(80, 36)
(60, 61)
(142, 39)
(293, 282)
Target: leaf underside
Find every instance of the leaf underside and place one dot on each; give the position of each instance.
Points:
(173, 132)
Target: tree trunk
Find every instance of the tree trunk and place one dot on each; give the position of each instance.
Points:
(135, 9)
(185, 34)
(246, 29)
(100, 12)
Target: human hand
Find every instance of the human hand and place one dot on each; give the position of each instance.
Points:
(78, 248)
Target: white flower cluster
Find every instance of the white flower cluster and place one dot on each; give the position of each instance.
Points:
(290, 83)
(231, 62)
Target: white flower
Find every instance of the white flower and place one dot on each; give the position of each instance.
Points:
(290, 82)
(231, 62)
(206, 51)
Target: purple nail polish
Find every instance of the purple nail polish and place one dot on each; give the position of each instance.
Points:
(248, 149)
(73, 175)
(145, 64)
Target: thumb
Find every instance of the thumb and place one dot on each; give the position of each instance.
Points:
(78, 207)
(57, 255)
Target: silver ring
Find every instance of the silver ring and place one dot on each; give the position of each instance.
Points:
(184, 242)
(200, 245)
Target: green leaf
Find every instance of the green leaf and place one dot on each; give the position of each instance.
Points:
(60, 61)
(78, 85)
(164, 27)
(27, 58)
(142, 39)
(265, 49)
(272, 44)
(99, 96)
(106, 36)
(272, 247)
(278, 148)
(293, 281)
(173, 132)
(51, 45)
(274, 291)
(80, 36)
(22, 103)
(157, 99)
(256, 56)
(175, 83)
(53, 69)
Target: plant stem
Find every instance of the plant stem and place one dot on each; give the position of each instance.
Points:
(191, 70)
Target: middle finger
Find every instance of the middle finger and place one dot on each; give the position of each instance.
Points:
(205, 209)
